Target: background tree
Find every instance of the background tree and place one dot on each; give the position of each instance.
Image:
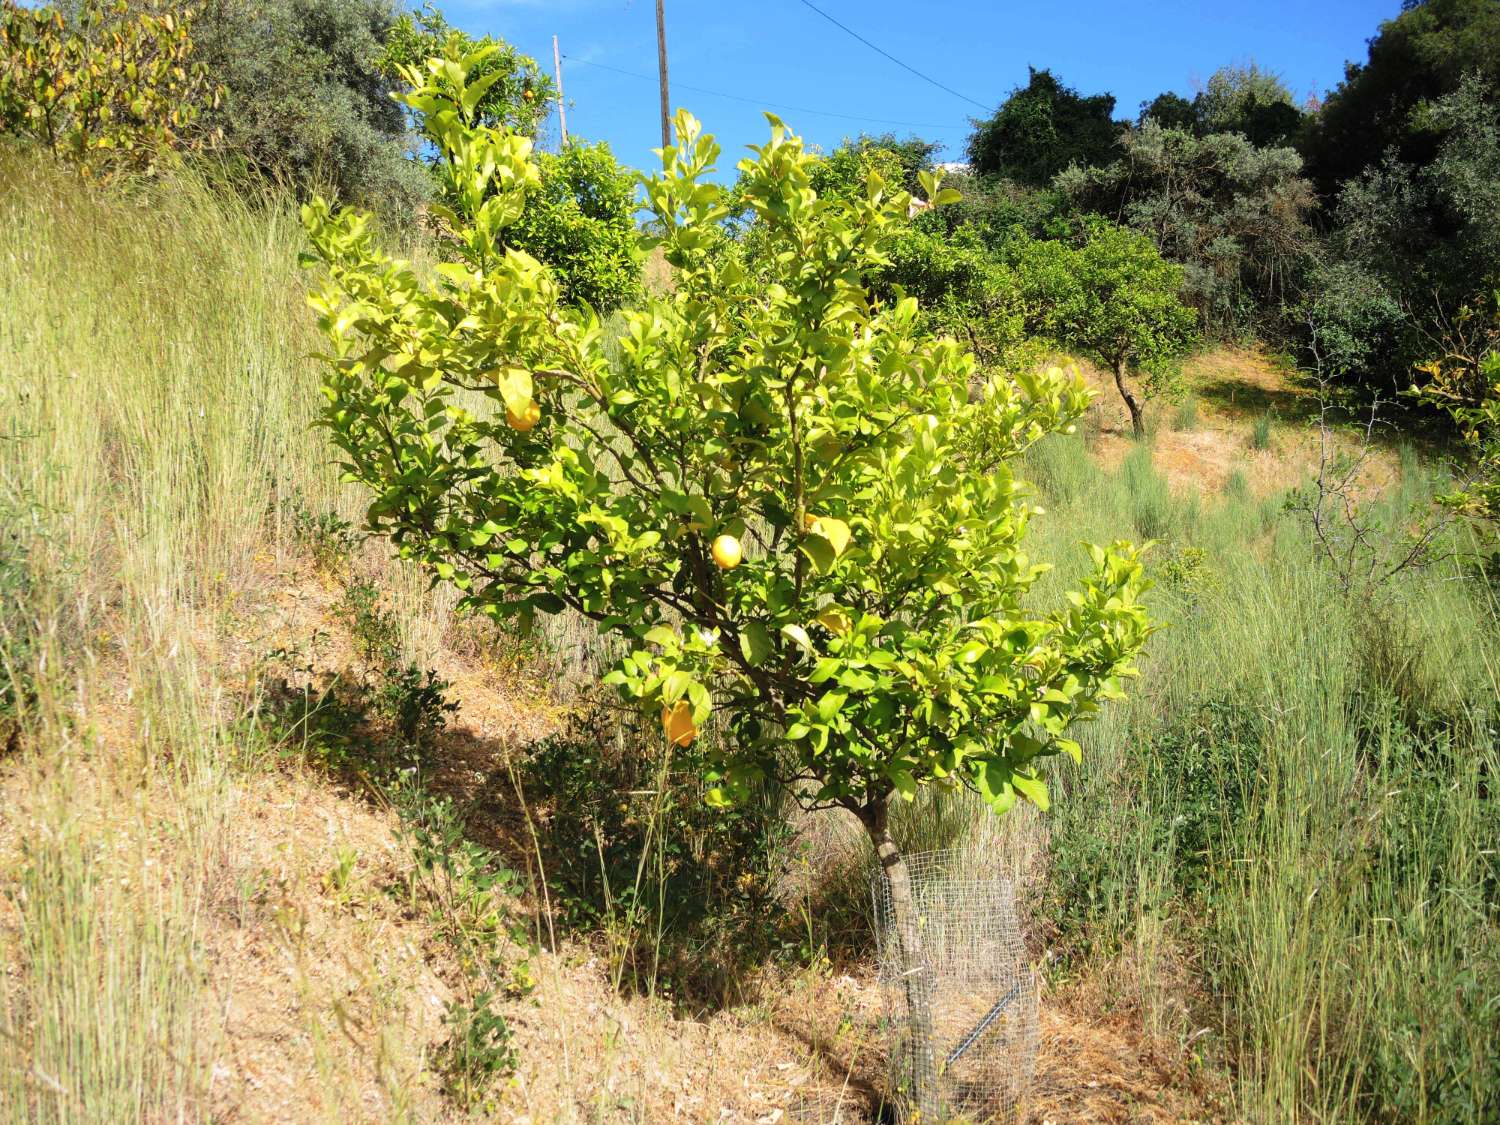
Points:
(1252, 102)
(518, 94)
(1427, 235)
(1234, 216)
(940, 258)
(1419, 56)
(581, 216)
(898, 161)
(1042, 128)
(1170, 111)
(780, 497)
(307, 102)
(1113, 300)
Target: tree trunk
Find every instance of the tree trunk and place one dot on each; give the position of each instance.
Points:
(1137, 420)
(920, 1065)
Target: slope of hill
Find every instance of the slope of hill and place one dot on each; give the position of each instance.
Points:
(276, 842)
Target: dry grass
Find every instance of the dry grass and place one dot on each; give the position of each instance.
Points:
(1235, 388)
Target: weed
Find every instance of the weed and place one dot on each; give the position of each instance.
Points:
(684, 892)
(329, 537)
(17, 629)
(1186, 416)
(1262, 434)
(463, 887)
(477, 1052)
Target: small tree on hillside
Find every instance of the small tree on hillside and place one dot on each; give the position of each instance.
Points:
(1043, 128)
(1113, 300)
(778, 494)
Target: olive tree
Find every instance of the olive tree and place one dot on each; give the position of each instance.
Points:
(778, 494)
(1113, 300)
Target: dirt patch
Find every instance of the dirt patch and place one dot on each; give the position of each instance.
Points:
(1251, 419)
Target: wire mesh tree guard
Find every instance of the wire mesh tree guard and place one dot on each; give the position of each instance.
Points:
(975, 980)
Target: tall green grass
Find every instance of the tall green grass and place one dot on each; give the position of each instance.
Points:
(154, 400)
(1290, 833)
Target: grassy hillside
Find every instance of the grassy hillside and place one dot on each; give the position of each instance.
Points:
(254, 865)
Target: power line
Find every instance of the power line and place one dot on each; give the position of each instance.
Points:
(881, 51)
(761, 102)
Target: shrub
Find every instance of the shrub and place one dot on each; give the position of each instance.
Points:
(1043, 128)
(683, 891)
(581, 216)
(306, 103)
(1233, 216)
(106, 84)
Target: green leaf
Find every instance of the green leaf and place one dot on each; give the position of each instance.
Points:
(675, 686)
(1032, 788)
(798, 636)
(835, 531)
(820, 552)
(755, 643)
(515, 386)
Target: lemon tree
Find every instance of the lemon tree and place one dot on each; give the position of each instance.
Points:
(795, 506)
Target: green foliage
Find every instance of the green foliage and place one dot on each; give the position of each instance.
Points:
(581, 217)
(105, 86)
(1043, 128)
(1221, 879)
(1260, 434)
(942, 260)
(1427, 232)
(307, 103)
(963, 289)
(478, 1051)
(518, 94)
(1252, 102)
(683, 891)
(1464, 382)
(873, 640)
(844, 171)
(1112, 299)
(1355, 325)
(17, 629)
(1232, 215)
(1170, 111)
(1418, 57)
(1247, 100)
(463, 886)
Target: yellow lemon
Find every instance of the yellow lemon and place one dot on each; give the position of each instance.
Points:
(525, 418)
(677, 721)
(727, 553)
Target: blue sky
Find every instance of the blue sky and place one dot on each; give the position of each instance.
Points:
(781, 51)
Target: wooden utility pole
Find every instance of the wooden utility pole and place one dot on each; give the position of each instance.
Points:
(562, 109)
(661, 62)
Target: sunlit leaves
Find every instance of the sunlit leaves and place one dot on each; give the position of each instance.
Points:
(872, 637)
(114, 85)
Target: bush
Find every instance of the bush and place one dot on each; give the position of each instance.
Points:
(684, 893)
(1234, 216)
(1114, 300)
(103, 85)
(1043, 128)
(306, 101)
(582, 218)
